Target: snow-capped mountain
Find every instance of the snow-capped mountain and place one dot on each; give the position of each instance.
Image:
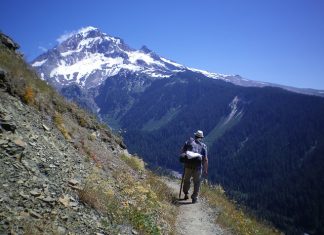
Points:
(90, 56)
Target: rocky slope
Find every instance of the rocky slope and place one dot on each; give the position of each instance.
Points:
(41, 174)
(62, 172)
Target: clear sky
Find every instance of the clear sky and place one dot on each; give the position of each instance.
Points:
(278, 41)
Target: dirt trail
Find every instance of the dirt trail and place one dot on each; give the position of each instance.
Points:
(195, 219)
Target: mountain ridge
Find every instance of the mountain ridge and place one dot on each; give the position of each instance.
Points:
(103, 56)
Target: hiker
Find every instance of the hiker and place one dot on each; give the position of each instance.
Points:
(194, 157)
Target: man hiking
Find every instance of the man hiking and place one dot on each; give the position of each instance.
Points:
(194, 156)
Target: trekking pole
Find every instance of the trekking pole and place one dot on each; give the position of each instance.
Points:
(183, 173)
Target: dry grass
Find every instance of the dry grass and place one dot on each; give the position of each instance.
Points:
(29, 96)
(134, 162)
(58, 121)
(95, 197)
(165, 195)
(232, 217)
(144, 204)
(21, 76)
(83, 122)
(146, 211)
(90, 153)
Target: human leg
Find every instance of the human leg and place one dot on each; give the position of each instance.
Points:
(196, 180)
(186, 180)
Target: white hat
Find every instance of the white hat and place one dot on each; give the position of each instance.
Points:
(199, 134)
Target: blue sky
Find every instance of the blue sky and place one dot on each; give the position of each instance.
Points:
(278, 41)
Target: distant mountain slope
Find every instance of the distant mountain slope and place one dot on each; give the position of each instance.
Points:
(263, 142)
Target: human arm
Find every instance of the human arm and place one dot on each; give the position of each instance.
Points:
(205, 165)
(205, 160)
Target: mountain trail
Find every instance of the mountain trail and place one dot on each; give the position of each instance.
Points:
(196, 218)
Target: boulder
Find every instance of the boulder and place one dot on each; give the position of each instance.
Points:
(8, 42)
(7, 126)
(4, 83)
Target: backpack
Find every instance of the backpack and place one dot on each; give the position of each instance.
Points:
(192, 146)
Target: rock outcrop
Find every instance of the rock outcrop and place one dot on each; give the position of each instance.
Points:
(8, 42)
(41, 175)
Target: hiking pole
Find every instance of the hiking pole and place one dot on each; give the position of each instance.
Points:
(183, 173)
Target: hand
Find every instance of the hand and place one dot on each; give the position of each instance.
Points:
(205, 172)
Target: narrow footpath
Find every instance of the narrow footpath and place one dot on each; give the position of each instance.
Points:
(194, 219)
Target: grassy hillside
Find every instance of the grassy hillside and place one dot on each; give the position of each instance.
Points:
(234, 217)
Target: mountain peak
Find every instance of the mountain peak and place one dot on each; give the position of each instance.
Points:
(145, 49)
(88, 57)
(86, 30)
(82, 32)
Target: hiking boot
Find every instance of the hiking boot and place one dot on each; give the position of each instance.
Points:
(186, 197)
(194, 200)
